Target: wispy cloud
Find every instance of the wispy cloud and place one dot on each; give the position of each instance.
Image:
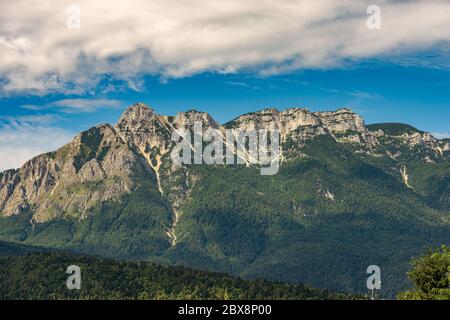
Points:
(441, 135)
(24, 137)
(242, 85)
(355, 94)
(127, 40)
(364, 95)
(28, 120)
(77, 105)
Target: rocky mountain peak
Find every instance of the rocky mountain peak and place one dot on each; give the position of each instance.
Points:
(136, 113)
(291, 119)
(187, 119)
(344, 110)
(103, 130)
(270, 110)
(341, 120)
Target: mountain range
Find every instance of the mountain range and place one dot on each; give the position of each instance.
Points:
(347, 195)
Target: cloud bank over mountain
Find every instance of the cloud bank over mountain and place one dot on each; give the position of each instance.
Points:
(127, 40)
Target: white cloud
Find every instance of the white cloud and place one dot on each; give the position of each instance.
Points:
(24, 137)
(242, 85)
(178, 38)
(78, 105)
(441, 135)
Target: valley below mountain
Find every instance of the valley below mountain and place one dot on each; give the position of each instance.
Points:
(347, 195)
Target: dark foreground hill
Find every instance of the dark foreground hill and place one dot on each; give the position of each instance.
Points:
(29, 274)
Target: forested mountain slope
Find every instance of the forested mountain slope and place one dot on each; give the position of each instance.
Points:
(42, 275)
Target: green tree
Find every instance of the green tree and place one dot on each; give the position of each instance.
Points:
(431, 276)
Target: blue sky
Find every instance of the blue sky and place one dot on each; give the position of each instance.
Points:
(379, 92)
(82, 63)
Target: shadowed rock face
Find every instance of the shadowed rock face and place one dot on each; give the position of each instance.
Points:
(99, 164)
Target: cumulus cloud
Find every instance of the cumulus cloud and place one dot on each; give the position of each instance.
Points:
(125, 40)
(24, 137)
